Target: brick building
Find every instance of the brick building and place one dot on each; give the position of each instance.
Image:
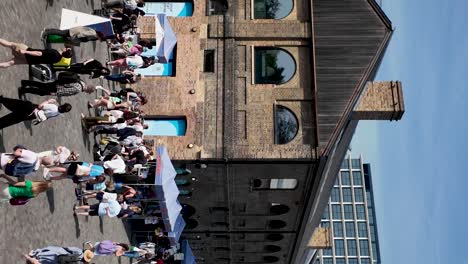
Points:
(271, 92)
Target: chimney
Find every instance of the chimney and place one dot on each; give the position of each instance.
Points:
(380, 101)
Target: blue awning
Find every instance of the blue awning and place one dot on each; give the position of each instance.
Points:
(189, 258)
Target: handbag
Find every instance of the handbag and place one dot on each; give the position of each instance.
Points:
(19, 201)
(40, 116)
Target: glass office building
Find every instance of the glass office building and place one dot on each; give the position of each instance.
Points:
(350, 215)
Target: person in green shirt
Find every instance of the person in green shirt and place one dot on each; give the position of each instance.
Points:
(15, 189)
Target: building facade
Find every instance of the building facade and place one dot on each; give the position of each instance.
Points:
(270, 93)
(350, 215)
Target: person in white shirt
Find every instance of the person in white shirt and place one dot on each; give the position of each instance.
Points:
(26, 110)
(57, 156)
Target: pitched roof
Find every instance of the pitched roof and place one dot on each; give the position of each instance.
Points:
(350, 38)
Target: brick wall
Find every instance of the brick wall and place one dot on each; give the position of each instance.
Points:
(381, 101)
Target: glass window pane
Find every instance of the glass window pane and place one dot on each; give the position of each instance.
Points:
(357, 178)
(364, 247)
(327, 260)
(340, 261)
(345, 164)
(286, 125)
(347, 196)
(339, 247)
(326, 215)
(353, 261)
(360, 212)
(325, 224)
(336, 211)
(362, 229)
(327, 252)
(352, 247)
(358, 195)
(350, 229)
(356, 163)
(337, 229)
(345, 178)
(365, 261)
(273, 65)
(268, 9)
(348, 212)
(335, 195)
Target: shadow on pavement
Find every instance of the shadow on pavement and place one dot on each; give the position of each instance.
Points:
(85, 137)
(2, 144)
(51, 200)
(77, 226)
(101, 225)
(49, 3)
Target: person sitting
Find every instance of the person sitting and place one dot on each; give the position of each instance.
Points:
(25, 110)
(22, 54)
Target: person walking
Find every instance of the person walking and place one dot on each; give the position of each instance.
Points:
(67, 84)
(22, 54)
(58, 255)
(133, 62)
(110, 208)
(21, 162)
(92, 67)
(74, 35)
(26, 110)
(22, 189)
(125, 77)
(108, 248)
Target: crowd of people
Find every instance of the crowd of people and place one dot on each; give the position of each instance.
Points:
(119, 122)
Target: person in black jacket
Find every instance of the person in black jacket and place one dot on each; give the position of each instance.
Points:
(92, 67)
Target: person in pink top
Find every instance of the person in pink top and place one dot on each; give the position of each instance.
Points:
(136, 49)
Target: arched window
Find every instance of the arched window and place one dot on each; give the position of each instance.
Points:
(272, 9)
(278, 209)
(186, 193)
(187, 210)
(276, 224)
(270, 259)
(286, 125)
(191, 223)
(272, 248)
(273, 65)
(274, 237)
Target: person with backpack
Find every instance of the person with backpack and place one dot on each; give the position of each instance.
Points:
(67, 84)
(18, 193)
(26, 110)
(59, 255)
(21, 162)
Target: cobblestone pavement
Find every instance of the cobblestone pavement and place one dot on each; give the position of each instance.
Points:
(48, 219)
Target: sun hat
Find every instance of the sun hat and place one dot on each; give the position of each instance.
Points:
(88, 255)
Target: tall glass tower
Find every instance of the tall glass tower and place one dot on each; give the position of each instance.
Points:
(350, 215)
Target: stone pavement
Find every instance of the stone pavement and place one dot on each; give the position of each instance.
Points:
(48, 219)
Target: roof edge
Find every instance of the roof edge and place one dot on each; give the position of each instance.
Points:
(381, 14)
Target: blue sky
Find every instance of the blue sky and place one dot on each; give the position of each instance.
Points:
(418, 163)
